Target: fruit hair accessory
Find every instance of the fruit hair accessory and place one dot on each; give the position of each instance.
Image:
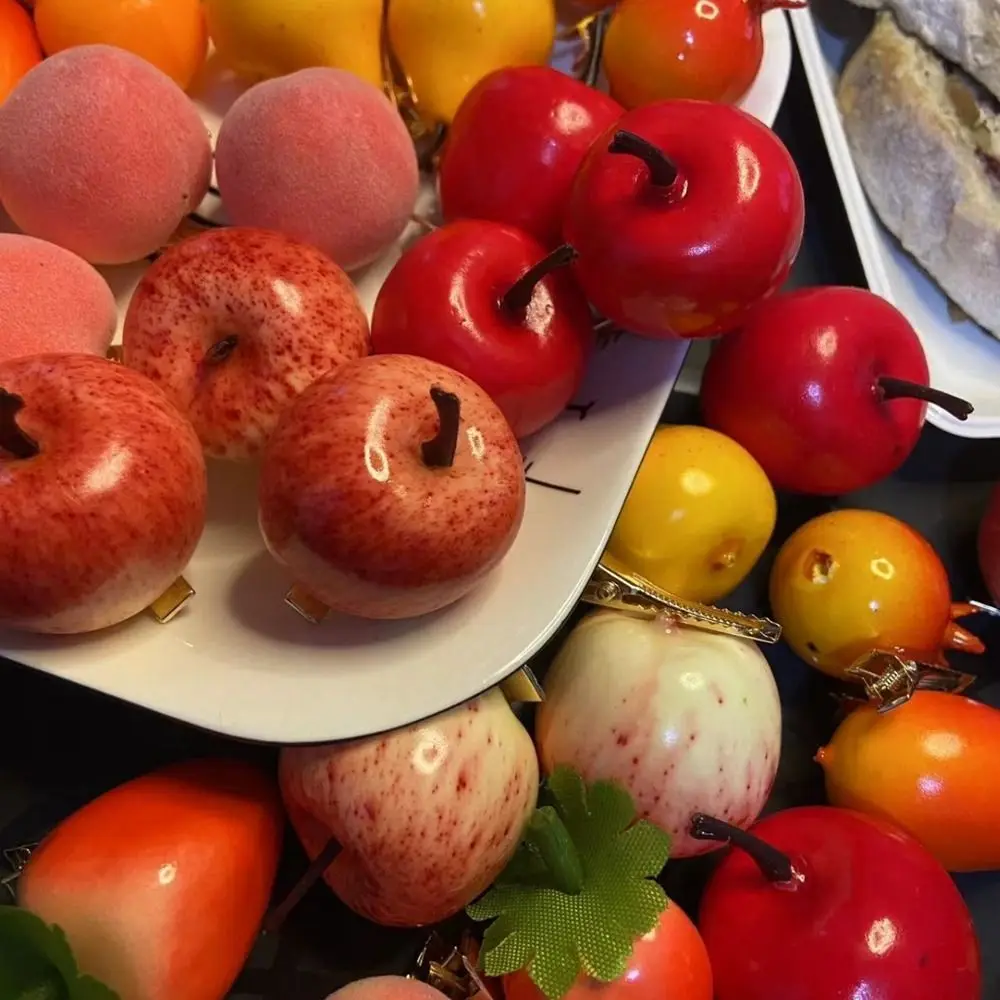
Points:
(579, 890)
(890, 680)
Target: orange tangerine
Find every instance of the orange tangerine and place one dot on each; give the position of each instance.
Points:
(171, 34)
(19, 48)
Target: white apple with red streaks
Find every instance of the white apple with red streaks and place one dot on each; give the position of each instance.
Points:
(427, 816)
(687, 720)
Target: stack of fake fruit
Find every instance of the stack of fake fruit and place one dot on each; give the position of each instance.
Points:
(249, 343)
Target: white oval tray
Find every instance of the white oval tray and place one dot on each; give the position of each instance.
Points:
(237, 660)
(963, 358)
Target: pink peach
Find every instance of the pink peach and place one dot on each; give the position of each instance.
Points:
(54, 301)
(386, 988)
(322, 156)
(102, 154)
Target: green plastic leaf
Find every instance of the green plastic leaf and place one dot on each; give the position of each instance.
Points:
(37, 963)
(557, 934)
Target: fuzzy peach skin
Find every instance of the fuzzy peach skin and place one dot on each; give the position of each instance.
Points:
(102, 154)
(427, 816)
(386, 988)
(323, 156)
(54, 301)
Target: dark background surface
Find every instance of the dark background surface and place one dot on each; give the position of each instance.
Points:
(61, 745)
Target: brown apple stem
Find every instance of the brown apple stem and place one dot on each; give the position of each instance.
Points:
(774, 866)
(596, 32)
(662, 171)
(325, 858)
(439, 452)
(546, 833)
(517, 298)
(897, 388)
(221, 350)
(13, 440)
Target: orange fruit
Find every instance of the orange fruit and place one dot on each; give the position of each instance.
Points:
(171, 34)
(19, 48)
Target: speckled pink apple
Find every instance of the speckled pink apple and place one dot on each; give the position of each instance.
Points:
(426, 816)
(102, 153)
(234, 324)
(386, 988)
(102, 493)
(391, 487)
(687, 720)
(323, 156)
(53, 301)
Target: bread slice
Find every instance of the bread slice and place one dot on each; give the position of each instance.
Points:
(926, 143)
(965, 32)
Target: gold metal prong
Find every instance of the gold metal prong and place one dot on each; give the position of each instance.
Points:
(116, 353)
(522, 686)
(170, 602)
(890, 680)
(301, 601)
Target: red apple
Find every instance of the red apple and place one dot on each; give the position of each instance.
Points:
(234, 323)
(391, 487)
(515, 145)
(102, 493)
(989, 545)
(426, 816)
(486, 300)
(825, 387)
(684, 214)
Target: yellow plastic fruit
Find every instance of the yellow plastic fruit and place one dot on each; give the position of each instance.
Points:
(698, 516)
(260, 39)
(446, 47)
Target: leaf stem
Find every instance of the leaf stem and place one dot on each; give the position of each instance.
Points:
(774, 865)
(312, 874)
(548, 835)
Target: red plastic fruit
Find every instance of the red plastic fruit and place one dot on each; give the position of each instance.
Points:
(515, 146)
(989, 545)
(685, 214)
(829, 904)
(826, 387)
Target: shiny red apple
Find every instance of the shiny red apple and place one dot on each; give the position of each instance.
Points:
(102, 493)
(234, 323)
(989, 545)
(685, 214)
(821, 903)
(515, 145)
(826, 387)
(486, 300)
(391, 487)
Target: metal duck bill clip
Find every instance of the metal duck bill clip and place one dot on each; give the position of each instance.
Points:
(611, 588)
(890, 679)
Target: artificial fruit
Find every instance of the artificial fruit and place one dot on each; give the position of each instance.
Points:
(685, 720)
(160, 885)
(929, 766)
(685, 214)
(102, 493)
(391, 488)
(698, 515)
(426, 816)
(487, 300)
(826, 387)
(988, 545)
(233, 324)
(548, 121)
(870, 912)
(445, 47)
(853, 581)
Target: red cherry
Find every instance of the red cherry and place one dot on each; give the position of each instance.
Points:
(685, 214)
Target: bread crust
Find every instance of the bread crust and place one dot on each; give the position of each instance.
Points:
(921, 168)
(965, 32)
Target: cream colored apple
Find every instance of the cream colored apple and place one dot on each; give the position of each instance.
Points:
(687, 720)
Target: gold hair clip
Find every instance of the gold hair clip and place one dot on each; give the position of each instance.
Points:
(890, 680)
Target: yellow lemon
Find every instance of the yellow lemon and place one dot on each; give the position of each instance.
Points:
(446, 47)
(261, 39)
(698, 516)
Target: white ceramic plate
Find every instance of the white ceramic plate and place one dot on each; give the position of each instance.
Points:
(963, 358)
(239, 661)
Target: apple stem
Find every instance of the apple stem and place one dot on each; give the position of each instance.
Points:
(221, 350)
(310, 876)
(13, 440)
(547, 834)
(662, 171)
(774, 866)
(439, 452)
(517, 298)
(897, 388)
(596, 32)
